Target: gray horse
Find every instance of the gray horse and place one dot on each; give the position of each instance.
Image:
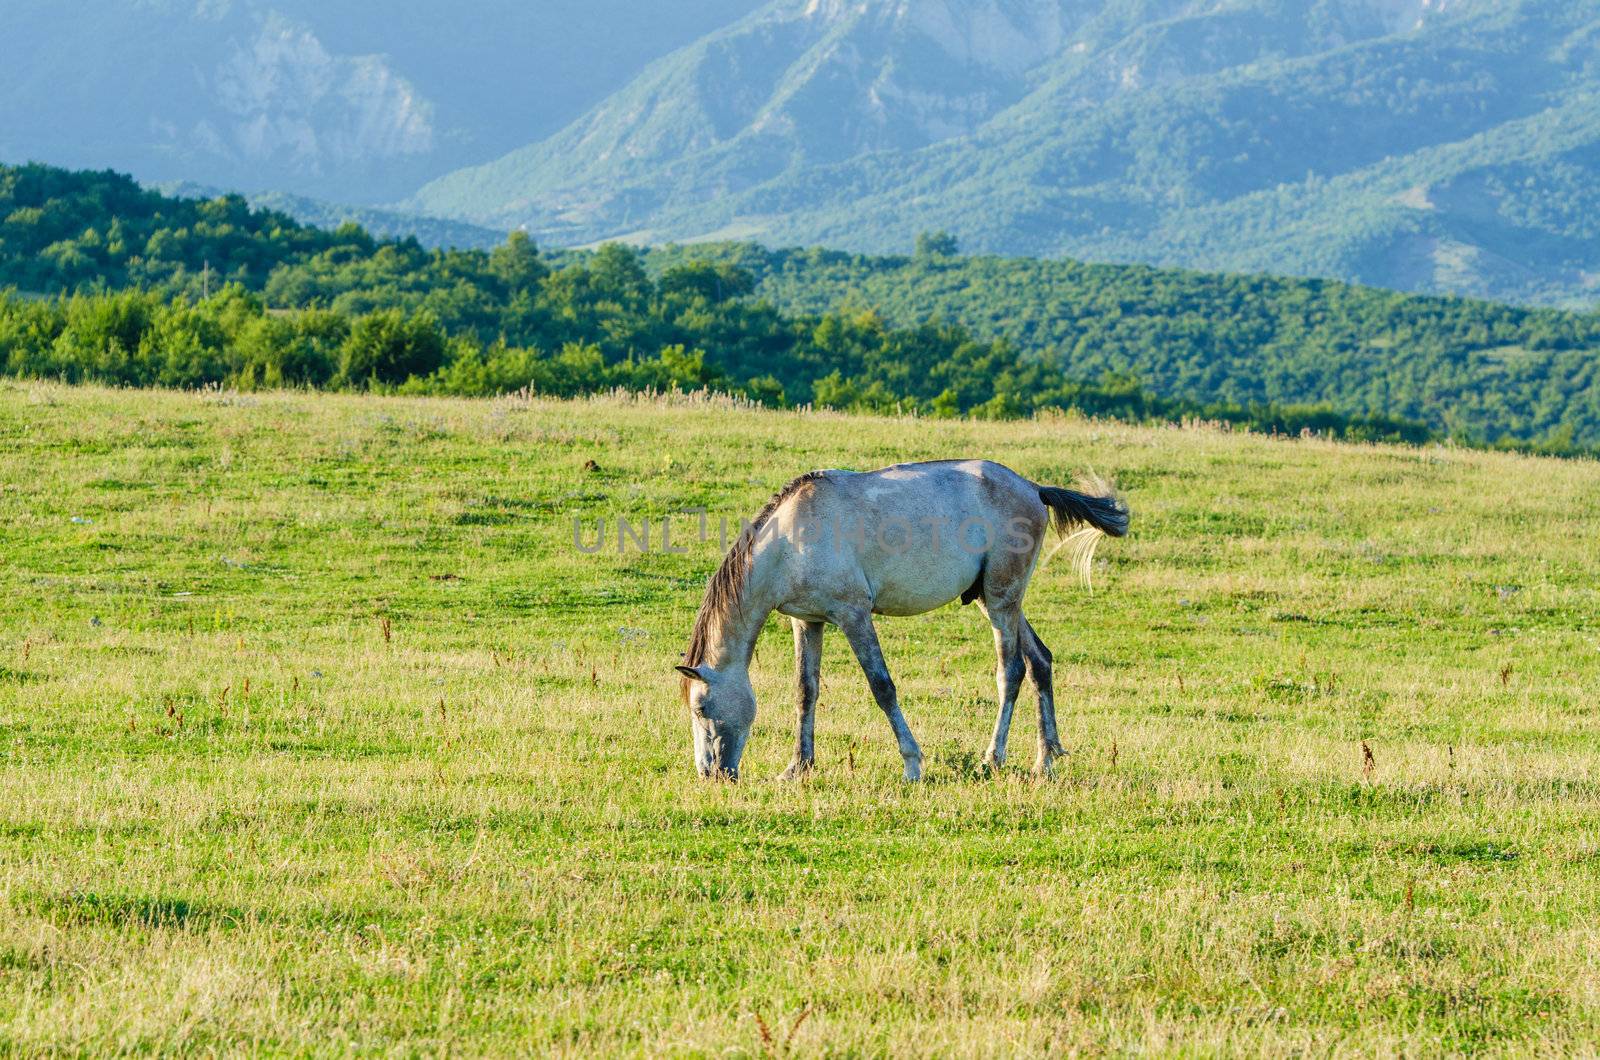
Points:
(840, 547)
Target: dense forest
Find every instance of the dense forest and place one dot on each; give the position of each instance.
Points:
(119, 284)
(142, 338)
(1468, 368)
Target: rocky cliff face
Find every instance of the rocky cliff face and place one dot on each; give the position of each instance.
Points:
(241, 93)
(283, 99)
(1405, 15)
(1008, 37)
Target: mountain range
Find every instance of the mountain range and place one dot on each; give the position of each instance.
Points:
(1441, 146)
(345, 102)
(1427, 145)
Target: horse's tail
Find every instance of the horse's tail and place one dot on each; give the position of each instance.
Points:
(1084, 518)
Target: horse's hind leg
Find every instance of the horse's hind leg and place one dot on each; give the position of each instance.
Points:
(1038, 658)
(808, 673)
(1009, 668)
(858, 629)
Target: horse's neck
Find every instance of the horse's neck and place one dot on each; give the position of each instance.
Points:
(735, 640)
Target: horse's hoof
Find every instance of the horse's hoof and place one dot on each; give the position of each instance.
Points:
(913, 770)
(1044, 766)
(797, 770)
(992, 764)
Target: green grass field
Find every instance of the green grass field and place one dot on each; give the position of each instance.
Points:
(318, 735)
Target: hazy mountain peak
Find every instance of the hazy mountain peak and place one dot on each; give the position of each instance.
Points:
(1011, 37)
(289, 98)
(1277, 135)
(1005, 35)
(1405, 15)
(832, 10)
(335, 100)
(813, 81)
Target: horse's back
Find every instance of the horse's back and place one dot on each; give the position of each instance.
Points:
(955, 489)
(914, 537)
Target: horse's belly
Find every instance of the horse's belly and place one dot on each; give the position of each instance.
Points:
(916, 584)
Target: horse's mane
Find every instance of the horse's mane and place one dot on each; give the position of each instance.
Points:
(726, 588)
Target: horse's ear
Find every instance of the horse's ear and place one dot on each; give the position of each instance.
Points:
(703, 674)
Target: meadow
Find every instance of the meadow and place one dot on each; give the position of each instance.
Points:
(318, 735)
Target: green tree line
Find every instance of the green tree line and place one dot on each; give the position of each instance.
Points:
(144, 338)
(1474, 370)
(119, 284)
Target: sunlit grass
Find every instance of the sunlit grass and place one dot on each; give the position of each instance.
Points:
(316, 733)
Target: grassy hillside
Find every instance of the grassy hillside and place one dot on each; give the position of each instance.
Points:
(316, 732)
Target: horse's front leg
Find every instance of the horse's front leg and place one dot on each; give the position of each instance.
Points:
(808, 674)
(858, 629)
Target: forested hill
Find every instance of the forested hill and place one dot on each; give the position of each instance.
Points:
(64, 230)
(937, 331)
(1476, 368)
(384, 224)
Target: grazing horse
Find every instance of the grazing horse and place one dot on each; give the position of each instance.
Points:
(842, 546)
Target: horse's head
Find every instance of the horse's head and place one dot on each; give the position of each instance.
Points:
(722, 708)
